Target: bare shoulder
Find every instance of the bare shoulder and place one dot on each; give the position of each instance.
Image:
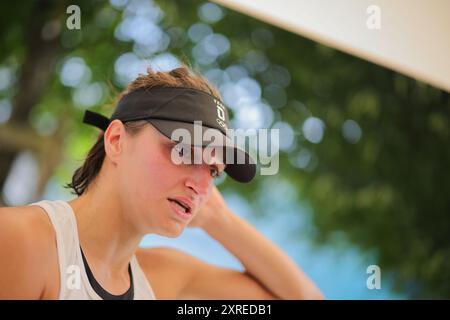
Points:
(26, 223)
(167, 269)
(26, 253)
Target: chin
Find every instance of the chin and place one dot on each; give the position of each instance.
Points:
(173, 235)
(171, 232)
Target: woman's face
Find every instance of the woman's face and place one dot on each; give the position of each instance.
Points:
(151, 184)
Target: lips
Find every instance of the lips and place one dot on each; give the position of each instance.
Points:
(185, 204)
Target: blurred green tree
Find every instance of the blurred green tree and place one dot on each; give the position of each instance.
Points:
(366, 147)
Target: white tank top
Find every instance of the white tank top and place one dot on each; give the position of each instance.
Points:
(74, 282)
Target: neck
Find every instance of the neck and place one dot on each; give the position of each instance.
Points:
(108, 239)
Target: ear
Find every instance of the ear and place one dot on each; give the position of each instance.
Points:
(113, 140)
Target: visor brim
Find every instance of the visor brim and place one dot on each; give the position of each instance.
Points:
(242, 166)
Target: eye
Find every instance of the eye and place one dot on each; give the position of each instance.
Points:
(180, 149)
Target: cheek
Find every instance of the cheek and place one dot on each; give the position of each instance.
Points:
(153, 175)
(205, 198)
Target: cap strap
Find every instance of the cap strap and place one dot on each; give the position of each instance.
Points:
(96, 119)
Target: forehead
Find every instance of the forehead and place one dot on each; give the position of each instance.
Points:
(150, 133)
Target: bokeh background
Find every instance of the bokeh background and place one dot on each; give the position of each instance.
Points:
(364, 151)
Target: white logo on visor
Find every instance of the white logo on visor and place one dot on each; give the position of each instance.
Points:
(220, 114)
(221, 123)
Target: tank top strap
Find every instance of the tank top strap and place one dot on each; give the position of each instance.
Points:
(74, 282)
(142, 288)
(71, 268)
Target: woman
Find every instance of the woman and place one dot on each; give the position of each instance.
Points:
(129, 186)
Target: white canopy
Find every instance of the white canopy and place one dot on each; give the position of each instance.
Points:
(413, 38)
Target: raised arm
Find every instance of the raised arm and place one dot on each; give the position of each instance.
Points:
(264, 262)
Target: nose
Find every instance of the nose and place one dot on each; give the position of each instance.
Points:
(200, 179)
